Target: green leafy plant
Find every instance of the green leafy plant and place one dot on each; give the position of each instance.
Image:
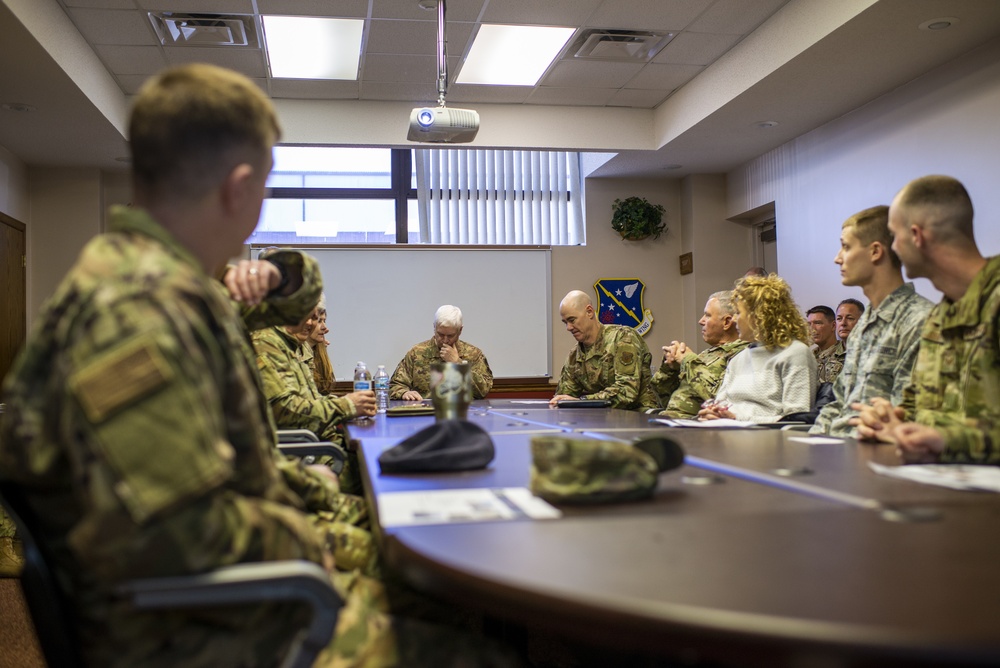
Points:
(635, 218)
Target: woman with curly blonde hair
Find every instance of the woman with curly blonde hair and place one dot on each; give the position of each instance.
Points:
(776, 375)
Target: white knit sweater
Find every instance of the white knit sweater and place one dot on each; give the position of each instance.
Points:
(763, 385)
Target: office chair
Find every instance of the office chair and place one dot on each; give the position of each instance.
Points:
(297, 436)
(50, 607)
(305, 444)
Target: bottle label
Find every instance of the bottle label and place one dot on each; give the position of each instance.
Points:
(362, 385)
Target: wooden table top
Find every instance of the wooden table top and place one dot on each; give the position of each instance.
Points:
(739, 570)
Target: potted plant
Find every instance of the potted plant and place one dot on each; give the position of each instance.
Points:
(635, 218)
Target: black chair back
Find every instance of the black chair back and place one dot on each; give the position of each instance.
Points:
(48, 605)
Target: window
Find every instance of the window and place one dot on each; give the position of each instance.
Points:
(333, 196)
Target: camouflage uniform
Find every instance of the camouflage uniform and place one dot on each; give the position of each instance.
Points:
(829, 362)
(414, 371)
(684, 389)
(879, 361)
(296, 403)
(291, 389)
(616, 367)
(11, 560)
(136, 423)
(956, 380)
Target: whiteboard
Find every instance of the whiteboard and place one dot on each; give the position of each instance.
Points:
(381, 301)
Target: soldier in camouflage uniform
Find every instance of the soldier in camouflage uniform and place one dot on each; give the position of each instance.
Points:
(949, 412)
(884, 346)
(135, 421)
(611, 362)
(828, 350)
(291, 391)
(849, 312)
(685, 379)
(412, 378)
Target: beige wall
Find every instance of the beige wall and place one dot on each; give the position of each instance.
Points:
(606, 255)
(66, 211)
(944, 122)
(722, 250)
(13, 187)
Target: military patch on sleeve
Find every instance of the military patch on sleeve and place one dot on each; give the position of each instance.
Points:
(120, 377)
(625, 360)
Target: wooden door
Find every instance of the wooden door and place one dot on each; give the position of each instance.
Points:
(12, 291)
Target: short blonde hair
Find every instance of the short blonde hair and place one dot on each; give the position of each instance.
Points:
(191, 125)
(872, 225)
(777, 319)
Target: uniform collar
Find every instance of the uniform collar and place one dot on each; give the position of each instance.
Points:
(138, 221)
(965, 312)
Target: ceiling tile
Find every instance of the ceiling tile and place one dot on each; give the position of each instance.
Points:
(242, 59)
(418, 93)
(338, 8)
(415, 37)
(591, 73)
(411, 69)
(198, 6)
(695, 48)
(130, 83)
(648, 14)
(471, 94)
(583, 97)
(99, 4)
(108, 26)
(455, 10)
(736, 17)
(643, 99)
(664, 77)
(311, 89)
(532, 12)
(132, 59)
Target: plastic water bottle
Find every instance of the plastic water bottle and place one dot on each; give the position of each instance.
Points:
(362, 378)
(362, 381)
(381, 389)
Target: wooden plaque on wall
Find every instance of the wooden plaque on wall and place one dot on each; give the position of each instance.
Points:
(687, 263)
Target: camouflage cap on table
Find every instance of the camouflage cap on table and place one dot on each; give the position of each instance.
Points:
(579, 470)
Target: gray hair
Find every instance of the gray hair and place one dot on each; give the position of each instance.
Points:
(448, 316)
(725, 299)
(321, 305)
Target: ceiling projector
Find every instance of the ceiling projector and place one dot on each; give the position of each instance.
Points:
(443, 124)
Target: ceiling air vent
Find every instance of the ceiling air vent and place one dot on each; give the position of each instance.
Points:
(623, 45)
(176, 29)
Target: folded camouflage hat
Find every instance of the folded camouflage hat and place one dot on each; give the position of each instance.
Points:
(580, 470)
(447, 445)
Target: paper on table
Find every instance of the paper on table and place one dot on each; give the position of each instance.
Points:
(816, 440)
(723, 423)
(955, 476)
(447, 506)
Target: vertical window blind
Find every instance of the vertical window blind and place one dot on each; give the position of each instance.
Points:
(499, 197)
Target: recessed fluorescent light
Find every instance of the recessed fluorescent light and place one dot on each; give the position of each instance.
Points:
(301, 47)
(512, 55)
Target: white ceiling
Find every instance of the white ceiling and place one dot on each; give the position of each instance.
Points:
(697, 104)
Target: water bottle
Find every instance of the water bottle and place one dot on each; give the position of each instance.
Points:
(362, 378)
(362, 381)
(381, 389)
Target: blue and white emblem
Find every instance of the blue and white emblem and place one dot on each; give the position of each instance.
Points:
(619, 302)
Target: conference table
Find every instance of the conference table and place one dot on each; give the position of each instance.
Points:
(766, 548)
